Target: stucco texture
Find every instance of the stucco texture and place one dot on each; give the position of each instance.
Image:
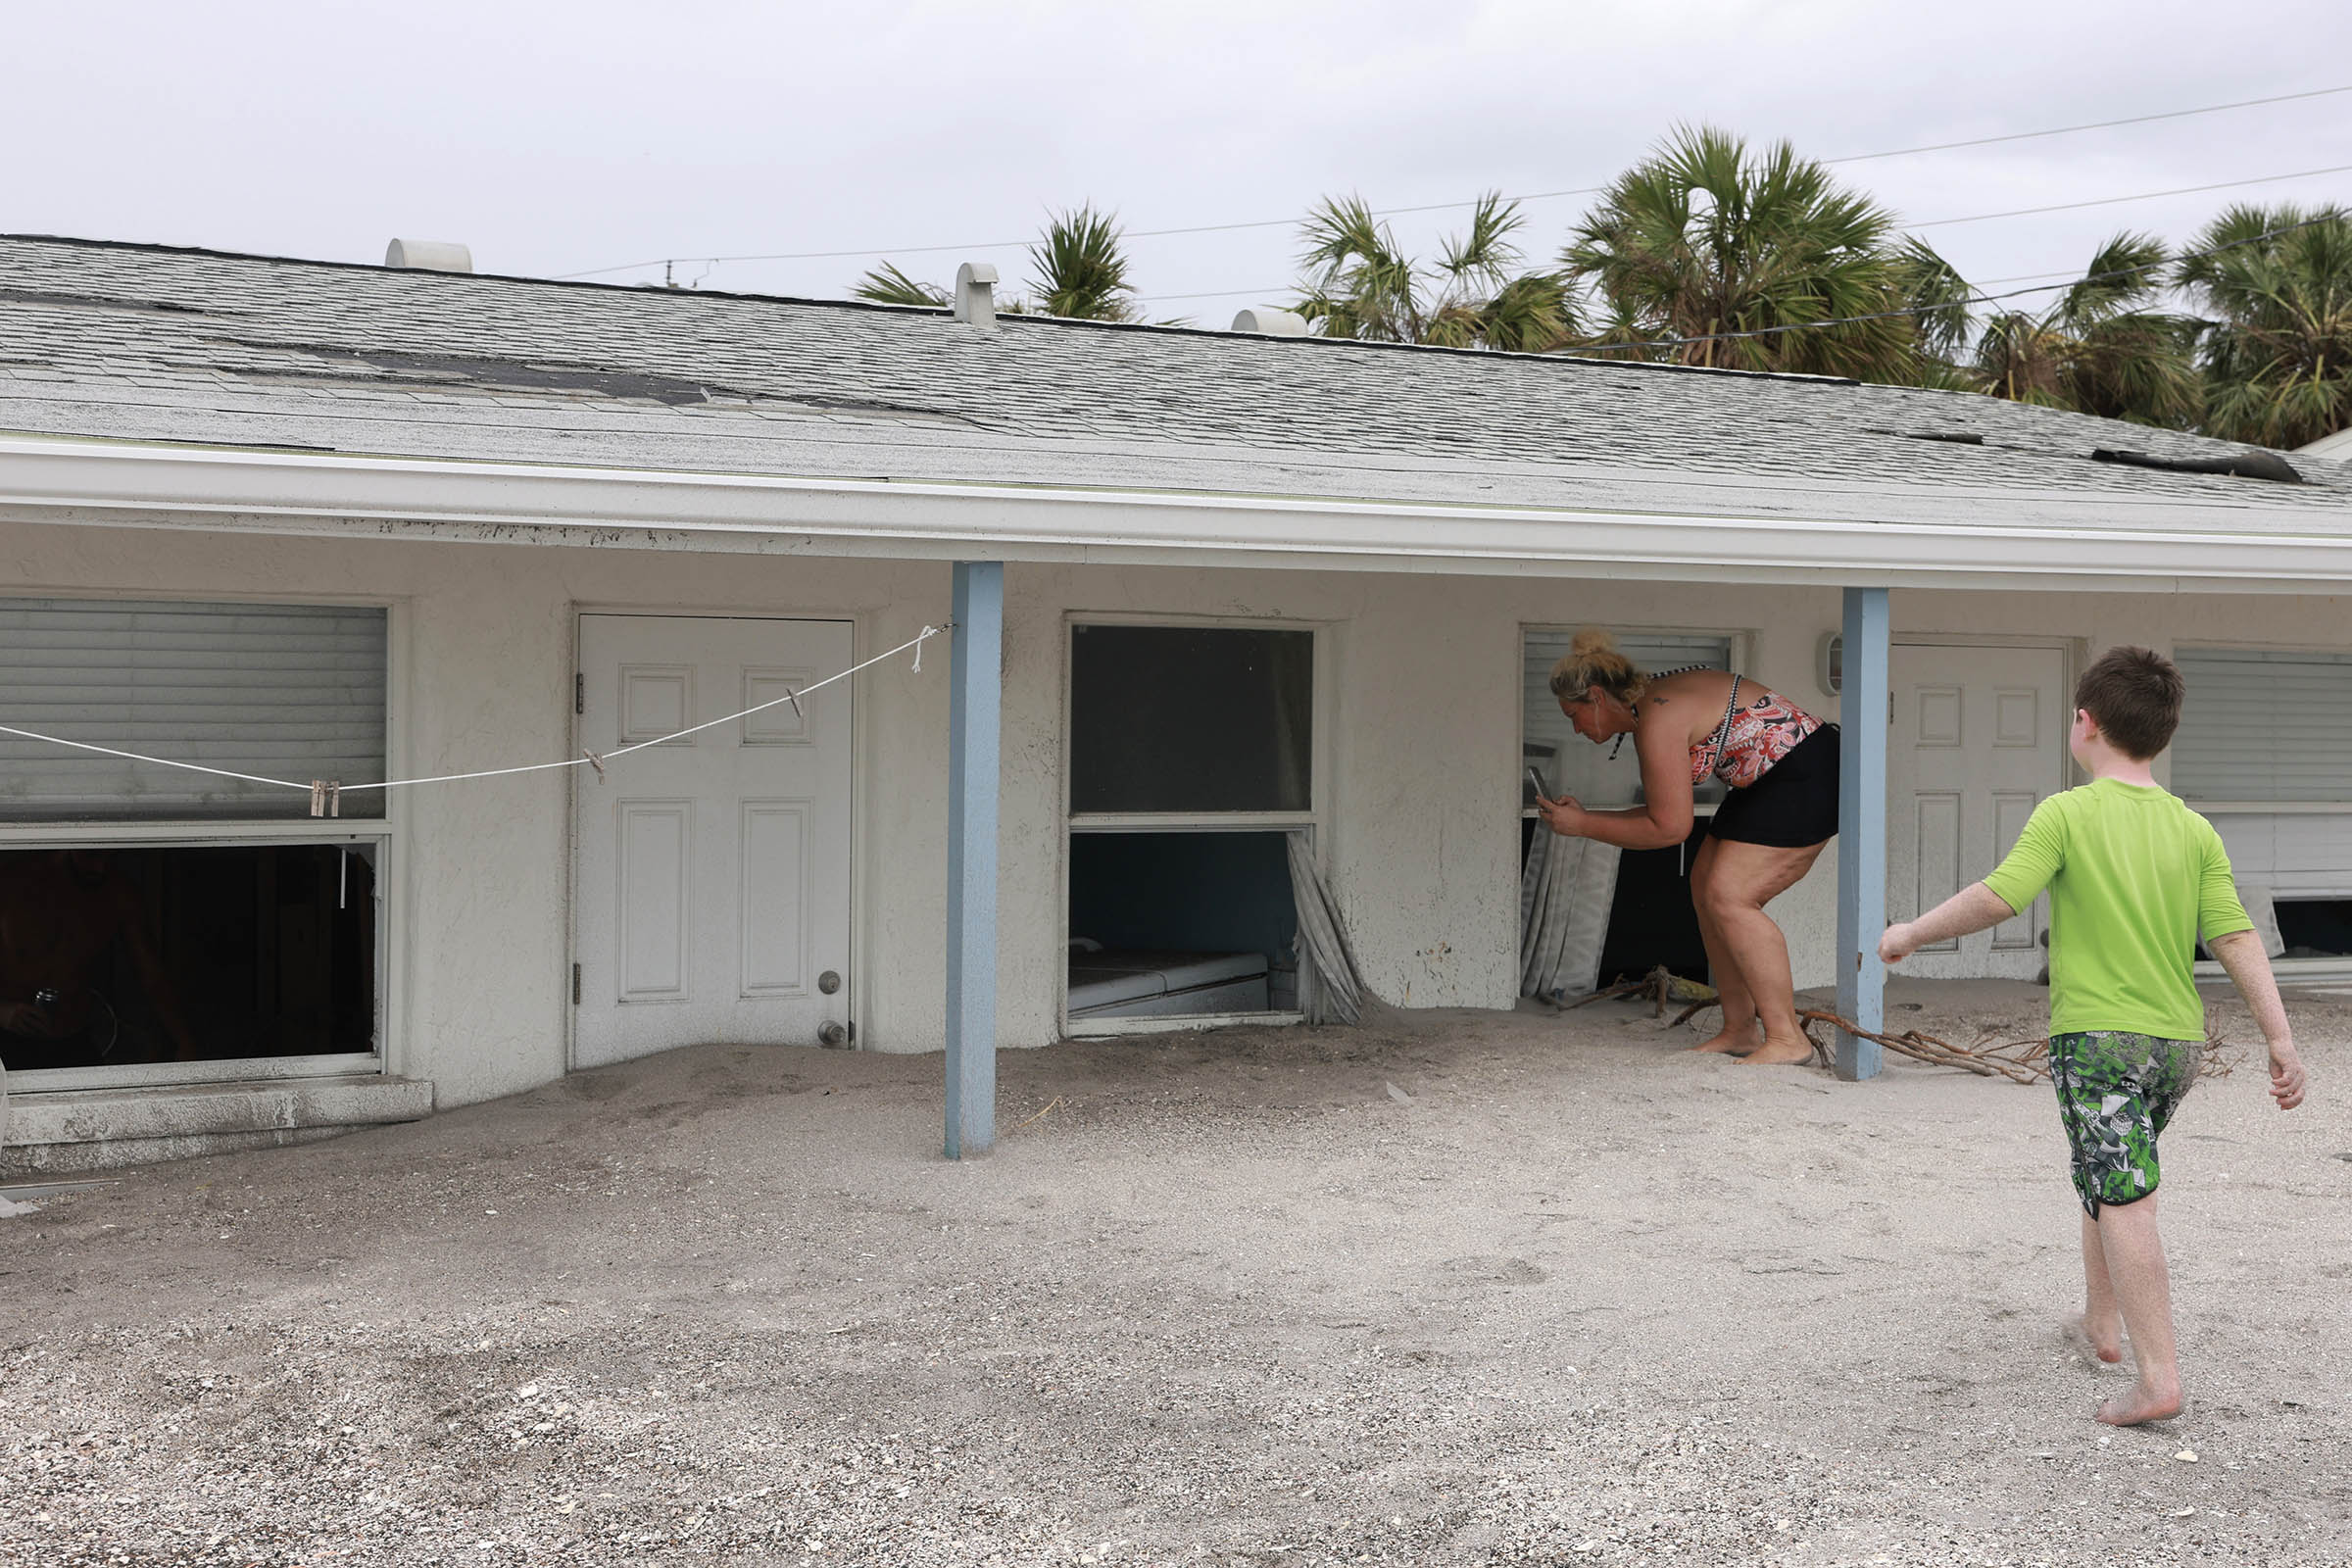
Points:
(1419, 771)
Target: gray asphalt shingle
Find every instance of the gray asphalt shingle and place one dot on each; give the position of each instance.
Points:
(156, 344)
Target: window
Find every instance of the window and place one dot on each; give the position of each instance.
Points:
(160, 925)
(2266, 725)
(291, 692)
(1191, 720)
(1570, 764)
(1192, 762)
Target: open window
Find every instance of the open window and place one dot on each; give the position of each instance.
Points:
(1191, 769)
(1590, 912)
(161, 925)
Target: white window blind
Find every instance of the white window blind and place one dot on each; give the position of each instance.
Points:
(1573, 765)
(286, 691)
(2261, 724)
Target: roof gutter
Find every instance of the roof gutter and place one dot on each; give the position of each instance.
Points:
(123, 484)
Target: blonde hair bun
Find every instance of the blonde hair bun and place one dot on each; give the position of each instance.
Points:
(1593, 660)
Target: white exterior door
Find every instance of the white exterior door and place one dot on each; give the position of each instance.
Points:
(1979, 741)
(713, 899)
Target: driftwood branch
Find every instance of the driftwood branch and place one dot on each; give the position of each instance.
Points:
(2020, 1061)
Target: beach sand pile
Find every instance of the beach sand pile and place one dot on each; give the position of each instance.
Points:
(1453, 1288)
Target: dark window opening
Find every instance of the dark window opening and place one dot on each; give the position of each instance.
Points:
(1178, 924)
(118, 956)
(2315, 928)
(1191, 720)
(1652, 921)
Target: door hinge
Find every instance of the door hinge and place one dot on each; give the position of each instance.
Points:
(579, 693)
(575, 985)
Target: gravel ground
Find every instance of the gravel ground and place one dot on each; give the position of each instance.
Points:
(1474, 1289)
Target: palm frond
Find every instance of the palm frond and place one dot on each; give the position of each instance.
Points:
(887, 285)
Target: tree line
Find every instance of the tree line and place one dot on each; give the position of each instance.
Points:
(1708, 252)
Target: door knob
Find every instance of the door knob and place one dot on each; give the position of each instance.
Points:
(832, 1036)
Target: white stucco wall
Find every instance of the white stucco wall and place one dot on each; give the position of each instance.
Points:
(1422, 833)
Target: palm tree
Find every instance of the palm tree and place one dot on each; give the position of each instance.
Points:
(2276, 346)
(1362, 284)
(1081, 271)
(1701, 240)
(2103, 347)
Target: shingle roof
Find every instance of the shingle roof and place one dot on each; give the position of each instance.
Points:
(150, 343)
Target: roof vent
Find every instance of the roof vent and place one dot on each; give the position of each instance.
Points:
(1270, 322)
(976, 294)
(428, 255)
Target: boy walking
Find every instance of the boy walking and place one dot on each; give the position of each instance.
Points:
(2134, 876)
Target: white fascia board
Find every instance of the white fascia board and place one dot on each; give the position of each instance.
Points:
(103, 483)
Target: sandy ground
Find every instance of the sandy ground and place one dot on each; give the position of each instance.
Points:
(1462, 1289)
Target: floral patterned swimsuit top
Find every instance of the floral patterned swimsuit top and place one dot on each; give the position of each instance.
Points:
(1751, 739)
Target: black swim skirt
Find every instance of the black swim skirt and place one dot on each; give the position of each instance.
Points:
(1795, 805)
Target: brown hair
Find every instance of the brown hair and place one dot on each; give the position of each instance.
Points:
(2134, 695)
(1592, 660)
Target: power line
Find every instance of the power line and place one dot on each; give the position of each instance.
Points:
(1933, 222)
(1440, 207)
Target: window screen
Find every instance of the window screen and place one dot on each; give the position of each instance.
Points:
(1569, 764)
(2258, 724)
(1191, 720)
(290, 692)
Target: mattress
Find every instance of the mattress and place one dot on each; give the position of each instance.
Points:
(1150, 985)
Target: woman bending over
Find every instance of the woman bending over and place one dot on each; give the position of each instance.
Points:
(1782, 765)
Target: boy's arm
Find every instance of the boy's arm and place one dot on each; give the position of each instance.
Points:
(1975, 907)
(2240, 953)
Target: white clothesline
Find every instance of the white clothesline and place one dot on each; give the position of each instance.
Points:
(324, 793)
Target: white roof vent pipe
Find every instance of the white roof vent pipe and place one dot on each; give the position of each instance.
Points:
(429, 256)
(1270, 322)
(976, 294)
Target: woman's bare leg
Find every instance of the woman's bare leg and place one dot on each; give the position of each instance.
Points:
(1744, 878)
(1738, 1035)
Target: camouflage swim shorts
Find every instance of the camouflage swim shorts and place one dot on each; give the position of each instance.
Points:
(2115, 1094)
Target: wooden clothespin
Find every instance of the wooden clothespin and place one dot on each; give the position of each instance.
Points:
(596, 762)
(327, 796)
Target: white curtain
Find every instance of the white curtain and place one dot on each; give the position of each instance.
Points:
(1564, 898)
(1329, 991)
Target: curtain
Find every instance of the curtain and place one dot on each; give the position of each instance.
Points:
(1564, 898)
(1329, 991)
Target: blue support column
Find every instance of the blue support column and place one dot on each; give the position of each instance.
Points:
(1862, 827)
(975, 746)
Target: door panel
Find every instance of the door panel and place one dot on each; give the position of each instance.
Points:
(1978, 742)
(713, 869)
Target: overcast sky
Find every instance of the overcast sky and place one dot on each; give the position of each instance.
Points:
(560, 137)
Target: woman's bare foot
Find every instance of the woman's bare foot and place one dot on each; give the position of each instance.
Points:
(2141, 1403)
(1733, 1041)
(1779, 1053)
(2104, 1340)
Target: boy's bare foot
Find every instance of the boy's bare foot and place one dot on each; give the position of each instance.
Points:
(1731, 1042)
(2104, 1340)
(2141, 1403)
(1774, 1052)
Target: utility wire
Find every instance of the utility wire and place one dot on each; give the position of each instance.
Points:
(1933, 222)
(1440, 207)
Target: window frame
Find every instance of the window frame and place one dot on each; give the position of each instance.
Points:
(1742, 645)
(1071, 823)
(388, 834)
